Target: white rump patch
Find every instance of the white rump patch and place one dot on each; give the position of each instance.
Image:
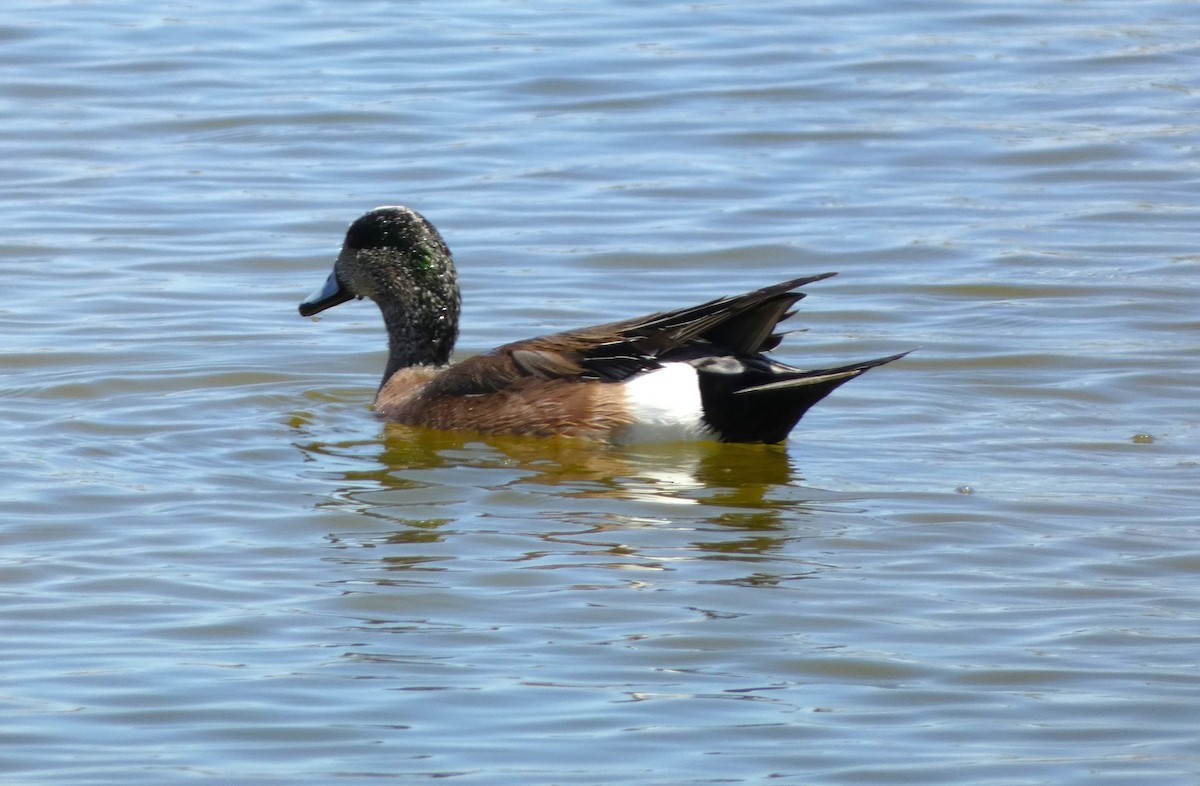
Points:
(665, 405)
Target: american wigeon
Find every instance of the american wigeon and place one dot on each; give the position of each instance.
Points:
(692, 373)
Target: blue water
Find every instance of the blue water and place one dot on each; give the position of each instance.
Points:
(975, 566)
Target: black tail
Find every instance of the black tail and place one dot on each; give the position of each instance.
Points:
(759, 400)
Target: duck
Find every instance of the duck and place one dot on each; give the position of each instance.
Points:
(694, 373)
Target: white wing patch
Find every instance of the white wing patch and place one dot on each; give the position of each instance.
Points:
(665, 404)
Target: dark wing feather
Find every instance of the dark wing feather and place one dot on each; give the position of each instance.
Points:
(740, 325)
(737, 323)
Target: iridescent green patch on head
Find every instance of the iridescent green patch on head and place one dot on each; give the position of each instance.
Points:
(424, 267)
(422, 251)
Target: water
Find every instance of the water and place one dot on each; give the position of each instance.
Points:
(977, 565)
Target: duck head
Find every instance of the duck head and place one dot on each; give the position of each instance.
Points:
(395, 257)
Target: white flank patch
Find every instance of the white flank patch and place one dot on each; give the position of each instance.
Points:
(665, 404)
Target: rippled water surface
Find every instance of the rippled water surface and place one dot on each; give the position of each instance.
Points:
(978, 565)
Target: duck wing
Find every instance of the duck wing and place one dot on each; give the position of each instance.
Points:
(741, 325)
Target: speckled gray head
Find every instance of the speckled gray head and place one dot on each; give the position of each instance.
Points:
(395, 257)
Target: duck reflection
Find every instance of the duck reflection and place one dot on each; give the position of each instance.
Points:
(742, 476)
(426, 486)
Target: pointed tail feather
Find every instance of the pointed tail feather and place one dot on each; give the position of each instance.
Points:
(828, 376)
(764, 404)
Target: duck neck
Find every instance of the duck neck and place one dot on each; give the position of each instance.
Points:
(420, 333)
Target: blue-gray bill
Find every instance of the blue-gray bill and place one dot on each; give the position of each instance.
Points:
(330, 294)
